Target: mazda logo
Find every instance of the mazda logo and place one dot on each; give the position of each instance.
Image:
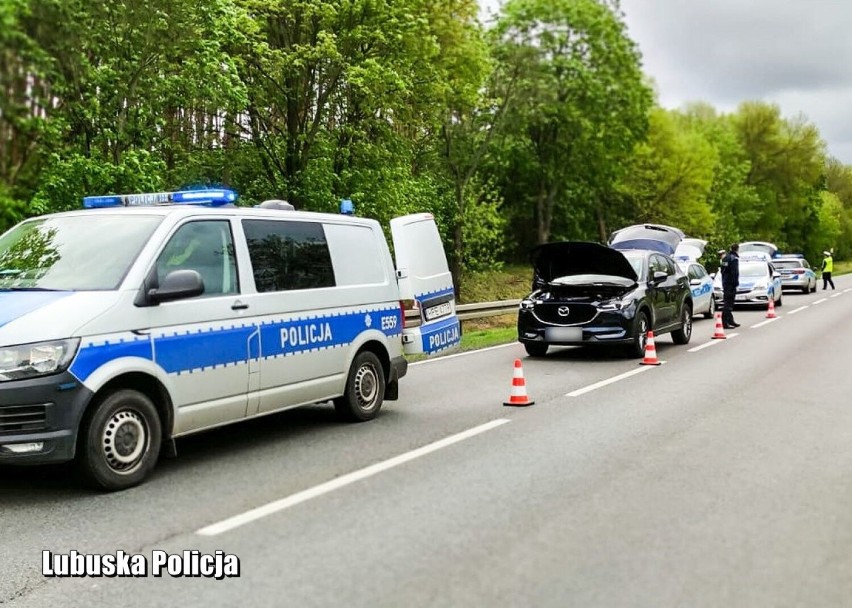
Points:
(563, 311)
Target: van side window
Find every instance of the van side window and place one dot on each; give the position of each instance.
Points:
(206, 247)
(288, 255)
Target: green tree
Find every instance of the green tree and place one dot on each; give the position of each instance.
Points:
(583, 104)
(670, 176)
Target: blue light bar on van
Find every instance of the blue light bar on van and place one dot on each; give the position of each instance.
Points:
(208, 198)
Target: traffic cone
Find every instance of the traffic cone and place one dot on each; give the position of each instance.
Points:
(518, 396)
(720, 331)
(650, 351)
(770, 312)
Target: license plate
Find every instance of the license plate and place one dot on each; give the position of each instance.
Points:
(740, 298)
(564, 334)
(438, 311)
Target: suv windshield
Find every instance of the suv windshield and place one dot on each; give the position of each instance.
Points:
(73, 253)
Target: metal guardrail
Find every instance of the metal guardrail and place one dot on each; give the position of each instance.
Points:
(486, 309)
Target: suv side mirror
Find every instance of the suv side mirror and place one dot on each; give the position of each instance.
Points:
(659, 277)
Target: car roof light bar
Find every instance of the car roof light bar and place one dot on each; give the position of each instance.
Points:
(208, 198)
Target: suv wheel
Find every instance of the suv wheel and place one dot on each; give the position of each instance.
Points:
(640, 338)
(682, 335)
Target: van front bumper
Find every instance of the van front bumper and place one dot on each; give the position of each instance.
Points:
(39, 419)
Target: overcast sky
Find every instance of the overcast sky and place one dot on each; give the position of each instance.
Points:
(796, 53)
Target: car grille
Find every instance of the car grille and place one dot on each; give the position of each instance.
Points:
(22, 418)
(577, 313)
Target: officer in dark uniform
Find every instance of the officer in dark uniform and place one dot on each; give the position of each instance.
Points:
(730, 269)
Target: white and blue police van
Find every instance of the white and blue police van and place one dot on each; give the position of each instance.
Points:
(143, 318)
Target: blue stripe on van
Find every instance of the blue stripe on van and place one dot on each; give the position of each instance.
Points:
(190, 351)
(441, 335)
(92, 356)
(444, 291)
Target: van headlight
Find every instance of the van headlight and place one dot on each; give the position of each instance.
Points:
(39, 359)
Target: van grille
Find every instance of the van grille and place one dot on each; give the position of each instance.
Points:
(22, 418)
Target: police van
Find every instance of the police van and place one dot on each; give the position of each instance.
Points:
(143, 318)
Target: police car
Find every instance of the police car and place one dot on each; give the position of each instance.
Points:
(760, 282)
(796, 272)
(147, 317)
(700, 281)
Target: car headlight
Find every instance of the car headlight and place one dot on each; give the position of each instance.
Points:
(39, 359)
(615, 304)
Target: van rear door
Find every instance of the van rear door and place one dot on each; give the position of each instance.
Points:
(425, 286)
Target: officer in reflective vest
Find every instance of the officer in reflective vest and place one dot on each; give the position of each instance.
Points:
(827, 269)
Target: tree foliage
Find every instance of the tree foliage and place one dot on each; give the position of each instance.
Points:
(541, 127)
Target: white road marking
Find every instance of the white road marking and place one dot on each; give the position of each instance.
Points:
(820, 301)
(847, 289)
(602, 383)
(695, 349)
(340, 482)
(837, 295)
(799, 309)
(762, 323)
(464, 354)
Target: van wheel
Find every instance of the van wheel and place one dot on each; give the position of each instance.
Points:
(120, 440)
(365, 389)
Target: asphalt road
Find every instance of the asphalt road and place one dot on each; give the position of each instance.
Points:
(721, 478)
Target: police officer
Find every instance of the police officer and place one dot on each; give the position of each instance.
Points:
(730, 269)
(827, 269)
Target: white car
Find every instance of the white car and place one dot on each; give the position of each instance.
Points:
(700, 282)
(760, 282)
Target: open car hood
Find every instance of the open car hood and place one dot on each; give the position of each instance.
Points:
(572, 258)
(654, 237)
(689, 250)
(771, 249)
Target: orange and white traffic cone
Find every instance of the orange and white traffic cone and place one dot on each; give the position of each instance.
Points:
(770, 312)
(719, 334)
(518, 396)
(650, 351)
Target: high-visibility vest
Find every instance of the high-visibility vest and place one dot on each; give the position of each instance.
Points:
(828, 264)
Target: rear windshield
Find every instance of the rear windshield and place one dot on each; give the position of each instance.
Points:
(787, 263)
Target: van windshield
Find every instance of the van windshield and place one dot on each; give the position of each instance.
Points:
(72, 253)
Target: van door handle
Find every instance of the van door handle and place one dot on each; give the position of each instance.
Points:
(239, 306)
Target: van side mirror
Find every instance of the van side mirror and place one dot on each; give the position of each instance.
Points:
(659, 277)
(177, 285)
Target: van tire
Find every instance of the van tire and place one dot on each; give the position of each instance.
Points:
(131, 417)
(365, 389)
